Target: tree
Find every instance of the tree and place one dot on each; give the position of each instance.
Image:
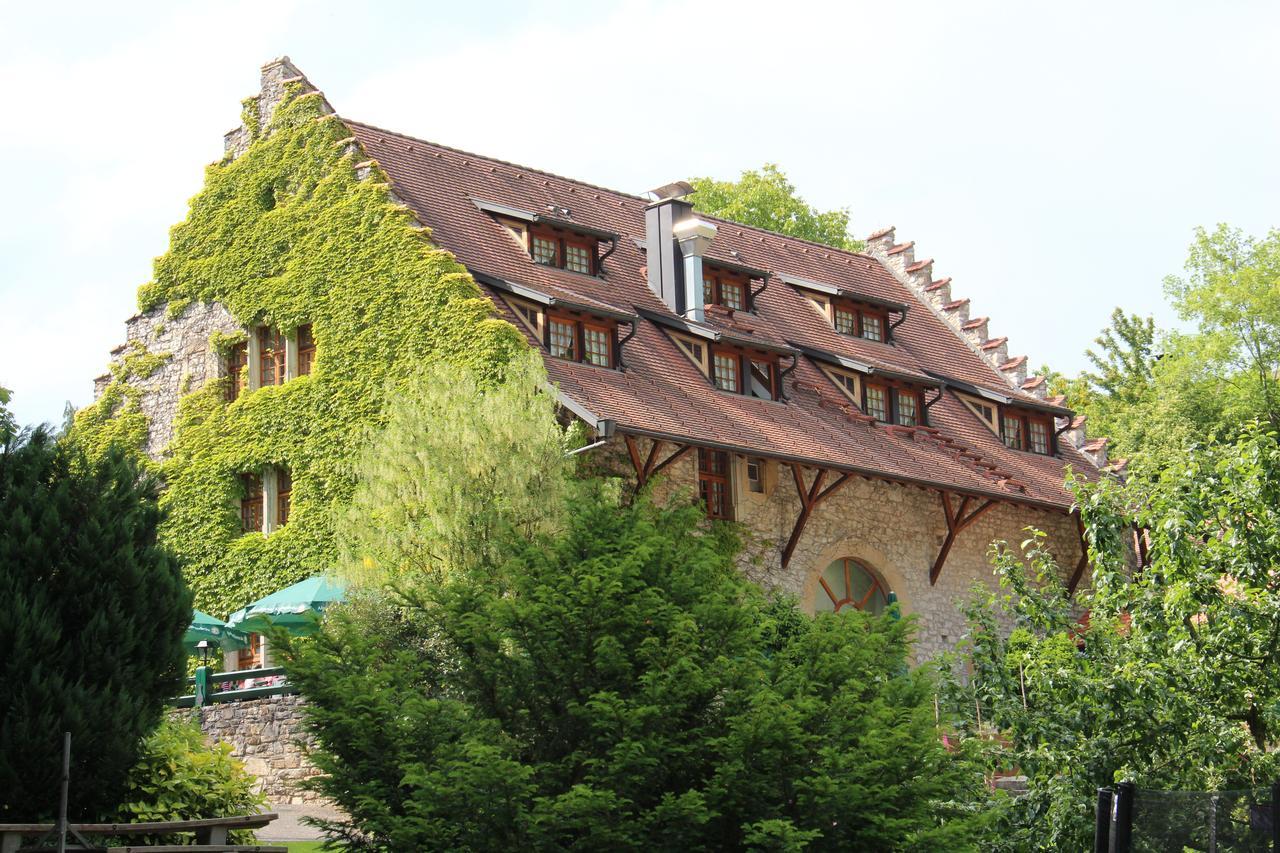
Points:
(1173, 681)
(766, 199)
(92, 613)
(597, 675)
(8, 426)
(461, 458)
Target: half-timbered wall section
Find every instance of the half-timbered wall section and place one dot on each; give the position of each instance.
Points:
(844, 407)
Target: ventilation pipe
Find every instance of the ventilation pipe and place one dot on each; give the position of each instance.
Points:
(694, 236)
(666, 272)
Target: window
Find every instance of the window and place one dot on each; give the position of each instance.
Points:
(1012, 431)
(846, 321)
(848, 585)
(251, 503)
(713, 482)
(577, 258)
(306, 349)
(725, 372)
(284, 491)
(1039, 435)
(236, 361)
(553, 247)
(546, 251)
(907, 411)
(1025, 431)
(562, 341)
(875, 402)
(755, 475)
(720, 287)
(585, 340)
(872, 327)
(596, 343)
(857, 321)
(272, 356)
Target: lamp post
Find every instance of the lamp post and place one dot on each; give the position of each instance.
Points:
(203, 683)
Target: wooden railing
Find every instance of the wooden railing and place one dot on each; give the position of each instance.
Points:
(217, 695)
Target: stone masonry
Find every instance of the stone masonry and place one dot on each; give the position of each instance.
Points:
(190, 361)
(893, 530)
(267, 735)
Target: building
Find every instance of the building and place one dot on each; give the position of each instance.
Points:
(845, 407)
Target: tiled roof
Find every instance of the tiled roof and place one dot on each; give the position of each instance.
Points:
(661, 393)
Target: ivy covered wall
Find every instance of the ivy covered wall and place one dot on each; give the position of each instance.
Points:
(285, 234)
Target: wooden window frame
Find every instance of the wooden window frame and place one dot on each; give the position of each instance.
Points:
(846, 599)
(284, 496)
(252, 507)
(580, 323)
(572, 326)
(717, 278)
(708, 479)
(733, 356)
(534, 238)
(886, 393)
(743, 359)
(276, 357)
(1024, 420)
(237, 360)
(910, 393)
(306, 354)
(562, 239)
(860, 312)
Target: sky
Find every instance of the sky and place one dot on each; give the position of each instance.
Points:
(1054, 159)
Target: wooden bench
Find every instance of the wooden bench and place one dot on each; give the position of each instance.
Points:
(210, 833)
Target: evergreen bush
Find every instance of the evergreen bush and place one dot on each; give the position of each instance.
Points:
(92, 613)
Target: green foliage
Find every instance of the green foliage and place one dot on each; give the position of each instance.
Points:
(1154, 392)
(459, 461)
(286, 234)
(8, 426)
(181, 776)
(92, 612)
(1175, 681)
(766, 199)
(572, 673)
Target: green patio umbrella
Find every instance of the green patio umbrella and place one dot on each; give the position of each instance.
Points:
(296, 608)
(213, 629)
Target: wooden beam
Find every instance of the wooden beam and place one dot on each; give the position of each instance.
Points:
(645, 470)
(810, 498)
(957, 519)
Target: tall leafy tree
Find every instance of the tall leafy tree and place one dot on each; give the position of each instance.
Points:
(92, 613)
(765, 198)
(8, 426)
(1173, 681)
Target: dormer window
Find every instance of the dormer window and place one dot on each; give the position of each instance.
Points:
(558, 247)
(581, 338)
(738, 371)
(858, 321)
(722, 287)
(887, 400)
(1018, 428)
(1022, 430)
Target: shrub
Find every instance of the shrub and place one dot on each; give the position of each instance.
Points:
(92, 612)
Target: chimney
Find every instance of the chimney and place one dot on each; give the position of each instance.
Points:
(663, 255)
(693, 235)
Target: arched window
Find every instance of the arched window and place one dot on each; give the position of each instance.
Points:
(848, 585)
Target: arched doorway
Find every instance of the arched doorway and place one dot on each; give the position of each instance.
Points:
(846, 584)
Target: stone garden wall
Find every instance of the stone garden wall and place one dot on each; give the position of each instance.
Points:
(268, 736)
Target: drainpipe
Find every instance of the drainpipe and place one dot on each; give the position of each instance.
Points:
(694, 235)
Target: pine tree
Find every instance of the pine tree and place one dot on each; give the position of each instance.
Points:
(92, 613)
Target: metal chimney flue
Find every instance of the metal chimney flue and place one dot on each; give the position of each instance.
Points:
(664, 258)
(694, 236)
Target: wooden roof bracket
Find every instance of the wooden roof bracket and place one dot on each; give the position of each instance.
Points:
(1083, 562)
(957, 520)
(646, 470)
(810, 498)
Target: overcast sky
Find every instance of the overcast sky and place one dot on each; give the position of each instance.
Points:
(1052, 158)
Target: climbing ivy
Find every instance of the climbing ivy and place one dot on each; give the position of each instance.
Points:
(283, 235)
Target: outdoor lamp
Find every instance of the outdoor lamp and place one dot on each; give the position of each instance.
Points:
(204, 647)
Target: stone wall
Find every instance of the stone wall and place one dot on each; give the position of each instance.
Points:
(268, 736)
(896, 531)
(190, 361)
